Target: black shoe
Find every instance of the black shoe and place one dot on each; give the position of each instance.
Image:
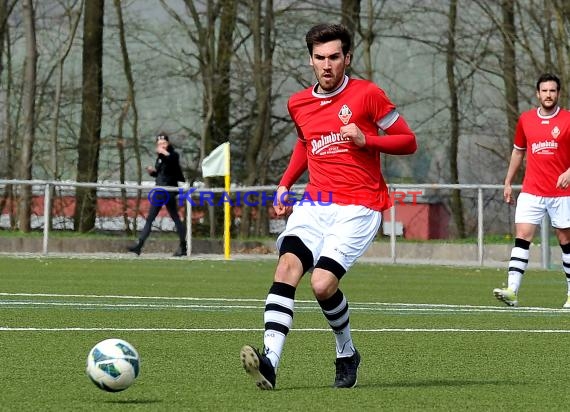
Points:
(258, 367)
(136, 248)
(346, 369)
(181, 251)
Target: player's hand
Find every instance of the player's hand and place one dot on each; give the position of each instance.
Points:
(563, 180)
(150, 169)
(508, 195)
(281, 196)
(353, 132)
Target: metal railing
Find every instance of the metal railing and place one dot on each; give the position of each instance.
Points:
(47, 185)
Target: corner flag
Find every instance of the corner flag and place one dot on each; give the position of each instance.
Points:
(217, 163)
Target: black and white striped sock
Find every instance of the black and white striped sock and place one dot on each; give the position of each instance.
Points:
(566, 263)
(518, 263)
(278, 318)
(336, 312)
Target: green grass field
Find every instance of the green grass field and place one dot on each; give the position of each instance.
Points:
(431, 338)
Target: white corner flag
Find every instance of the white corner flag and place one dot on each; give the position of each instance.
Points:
(217, 162)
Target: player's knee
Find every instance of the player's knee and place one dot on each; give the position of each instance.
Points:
(326, 277)
(289, 270)
(323, 286)
(295, 246)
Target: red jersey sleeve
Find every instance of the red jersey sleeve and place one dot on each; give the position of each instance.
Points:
(297, 164)
(520, 137)
(399, 139)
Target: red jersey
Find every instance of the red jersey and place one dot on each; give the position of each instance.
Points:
(546, 140)
(339, 170)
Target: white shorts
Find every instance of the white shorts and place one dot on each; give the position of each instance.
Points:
(532, 208)
(340, 232)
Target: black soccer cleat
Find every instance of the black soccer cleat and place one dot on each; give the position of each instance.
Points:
(258, 366)
(346, 370)
(136, 248)
(182, 250)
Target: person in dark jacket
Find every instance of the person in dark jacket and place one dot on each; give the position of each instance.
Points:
(167, 172)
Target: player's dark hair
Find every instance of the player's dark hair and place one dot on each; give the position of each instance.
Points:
(323, 33)
(548, 77)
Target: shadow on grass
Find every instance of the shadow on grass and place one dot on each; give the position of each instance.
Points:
(428, 383)
(134, 401)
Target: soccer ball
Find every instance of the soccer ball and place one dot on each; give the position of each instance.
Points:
(113, 365)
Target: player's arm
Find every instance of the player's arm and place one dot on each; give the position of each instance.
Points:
(297, 166)
(517, 157)
(399, 139)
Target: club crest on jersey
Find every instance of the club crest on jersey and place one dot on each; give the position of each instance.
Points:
(344, 114)
(555, 132)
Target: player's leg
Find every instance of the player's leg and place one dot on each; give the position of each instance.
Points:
(145, 233)
(529, 213)
(295, 258)
(172, 207)
(346, 240)
(559, 212)
(564, 241)
(294, 261)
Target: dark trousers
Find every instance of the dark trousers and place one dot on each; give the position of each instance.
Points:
(172, 207)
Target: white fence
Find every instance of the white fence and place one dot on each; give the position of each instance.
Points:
(391, 229)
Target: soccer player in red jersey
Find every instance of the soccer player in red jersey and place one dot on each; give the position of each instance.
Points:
(337, 122)
(543, 134)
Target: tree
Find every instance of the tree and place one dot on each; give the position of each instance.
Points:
(29, 126)
(211, 34)
(5, 11)
(350, 18)
(91, 113)
(130, 103)
(6, 135)
(456, 202)
(262, 32)
(509, 35)
(75, 15)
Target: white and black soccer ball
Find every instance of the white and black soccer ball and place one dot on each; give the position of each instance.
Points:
(113, 365)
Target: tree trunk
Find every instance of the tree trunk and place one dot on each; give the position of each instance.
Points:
(509, 65)
(220, 124)
(561, 11)
(3, 20)
(262, 30)
(456, 202)
(6, 127)
(28, 103)
(129, 103)
(222, 100)
(350, 18)
(91, 111)
(56, 110)
(215, 58)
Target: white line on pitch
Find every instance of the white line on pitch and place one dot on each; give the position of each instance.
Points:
(382, 330)
(58, 295)
(354, 305)
(127, 305)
